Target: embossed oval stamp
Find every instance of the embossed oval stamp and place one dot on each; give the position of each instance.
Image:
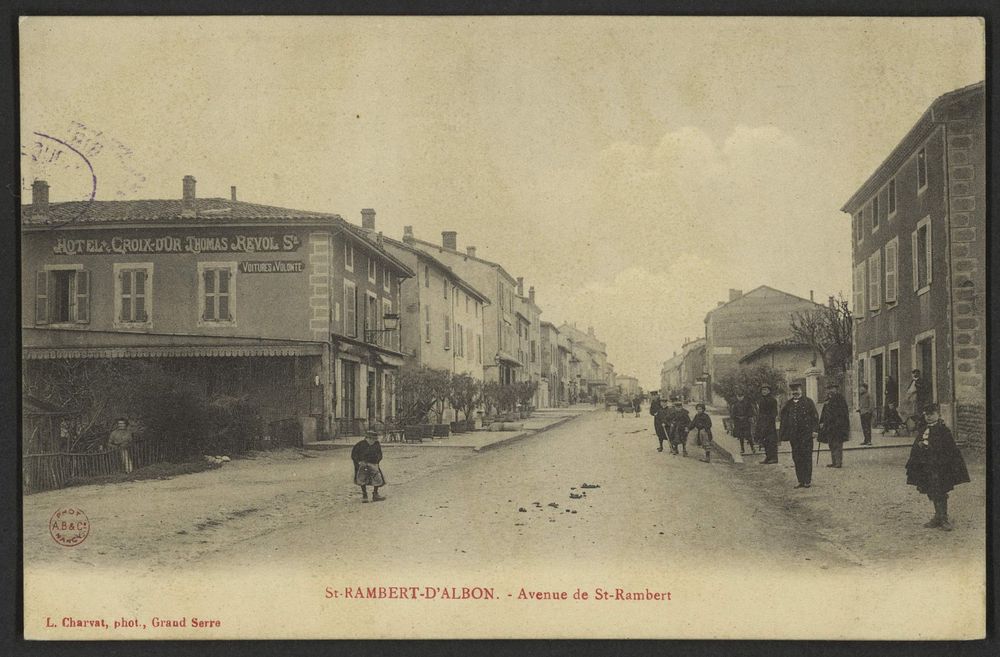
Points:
(69, 526)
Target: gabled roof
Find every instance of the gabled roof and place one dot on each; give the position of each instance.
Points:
(924, 125)
(461, 282)
(442, 249)
(758, 289)
(787, 343)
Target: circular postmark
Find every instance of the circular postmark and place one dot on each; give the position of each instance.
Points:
(69, 526)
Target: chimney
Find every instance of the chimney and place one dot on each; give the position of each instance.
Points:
(368, 219)
(531, 294)
(187, 200)
(735, 294)
(232, 192)
(830, 302)
(449, 239)
(471, 250)
(811, 296)
(720, 303)
(407, 232)
(520, 286)
(40, 199)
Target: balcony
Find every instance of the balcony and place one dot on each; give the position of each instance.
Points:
(383, 338)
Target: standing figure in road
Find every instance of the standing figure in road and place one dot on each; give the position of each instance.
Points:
(680, 421)
(917, 396)
(799, 424)
(835, 425)
(660, 423)
(742, 411)
(702, 423)
(865, 411)
(367, 454)
(637, 404)
(935, 465)
(120, 439)
(891, 395)
(764, 427)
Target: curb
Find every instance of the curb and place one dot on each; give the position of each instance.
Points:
(523, 435)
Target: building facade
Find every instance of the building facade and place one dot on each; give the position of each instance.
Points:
(788, 356)
(919, 252)
(237, 296)
(744, 323)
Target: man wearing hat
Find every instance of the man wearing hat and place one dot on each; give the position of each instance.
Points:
(799, 426)
(367, 454)
(834, 424)
(680, 420)
(660, 412)
(765, 433)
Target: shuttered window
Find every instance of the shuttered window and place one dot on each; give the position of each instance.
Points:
(133, 295)
(920, 246)
(875, 280)
(217, 294)
(427, 323)
(350, 309)
(447, 331)
(891, 270)
(62, 296)
(859, 290)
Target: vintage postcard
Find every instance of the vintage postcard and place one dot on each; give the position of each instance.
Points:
(503, 327)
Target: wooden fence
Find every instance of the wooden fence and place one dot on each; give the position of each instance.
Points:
(56, 470)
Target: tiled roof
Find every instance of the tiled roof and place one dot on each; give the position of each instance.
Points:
(462, 283)
(773, 346)
(161, 210)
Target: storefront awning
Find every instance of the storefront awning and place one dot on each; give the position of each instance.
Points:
(388, 360)
(174, 351)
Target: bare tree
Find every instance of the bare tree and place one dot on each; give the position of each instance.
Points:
(827, 329)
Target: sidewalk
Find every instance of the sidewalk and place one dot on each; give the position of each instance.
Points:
(478, 441)
(730, 446)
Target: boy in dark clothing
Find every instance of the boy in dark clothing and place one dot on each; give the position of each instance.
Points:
(742, 412)
(680, 420)
(661, 421)
(367, 454)
(935, 465)
(764, 429)
(703, 423)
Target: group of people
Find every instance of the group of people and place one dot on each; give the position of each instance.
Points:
(626, 405)
(673, 424)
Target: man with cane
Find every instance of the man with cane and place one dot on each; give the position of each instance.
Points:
(799, 427)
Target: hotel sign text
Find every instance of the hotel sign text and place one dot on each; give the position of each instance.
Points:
(179, 244)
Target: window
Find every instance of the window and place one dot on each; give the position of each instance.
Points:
(386, 280)
(479, 349)
(859, 226)
(891, 269)
(372, 270)
(350, 309)
(371, 317)
(216, 282)
(471, 352)
(391, 341)
(444, 283)
(447, 331)
(533, 348)
(875, 280)
(62, 296)
(859, 291)
(892, 196)
(427, 276)
(427, 323)
(875, 213)
(133, 284)
(921, 169)
(348, 256)
(459, 341)
(921, 248)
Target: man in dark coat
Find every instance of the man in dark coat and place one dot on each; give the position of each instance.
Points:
(764, 428)
(799, 425)
(835, 425)
(742, 411)
(680, 421)
(659, 424)
(935, 465)
(367, 455)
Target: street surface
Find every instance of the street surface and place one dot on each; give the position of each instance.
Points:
(453, 508)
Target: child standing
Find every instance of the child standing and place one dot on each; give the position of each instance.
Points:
(367, 454)
(679, 423)
(935, 466)
(703, 423)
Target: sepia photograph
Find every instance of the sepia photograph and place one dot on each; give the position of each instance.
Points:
(489, 327)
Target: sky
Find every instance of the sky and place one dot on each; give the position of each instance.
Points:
(632, 170)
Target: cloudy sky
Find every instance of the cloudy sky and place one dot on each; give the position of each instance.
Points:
(631, 169)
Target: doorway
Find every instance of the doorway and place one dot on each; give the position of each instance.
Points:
(878, 383)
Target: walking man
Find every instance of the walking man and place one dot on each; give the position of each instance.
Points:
(799, 425)
(637, 404)
(766, 435)
(660, 420)
(865, 411)
(741, 412)
(835, 425)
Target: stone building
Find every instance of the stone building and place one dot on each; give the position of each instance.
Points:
(744, 323)
(919, 251)
(789, 356)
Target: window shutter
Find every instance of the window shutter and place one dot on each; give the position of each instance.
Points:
(891, 268)
(42, 297)
(916, 270)
(927, 255)
(124, 296)
(83, 297)
(874, 279)
(140, 296)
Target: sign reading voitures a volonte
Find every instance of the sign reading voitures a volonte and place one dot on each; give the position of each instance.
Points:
(272, 267)
(179, 244)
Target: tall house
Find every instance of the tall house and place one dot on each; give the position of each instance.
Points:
(747, 321)
(589, 373)
(531, 348)
(919, 252)
(442, 314)
(500, 322)
(551, 363)
(286, 307)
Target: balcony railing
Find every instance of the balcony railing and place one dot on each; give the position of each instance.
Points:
(383, 338)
